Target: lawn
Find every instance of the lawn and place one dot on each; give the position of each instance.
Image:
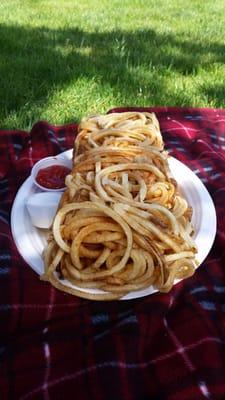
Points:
(60, 60)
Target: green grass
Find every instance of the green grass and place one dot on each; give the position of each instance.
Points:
(60, 60)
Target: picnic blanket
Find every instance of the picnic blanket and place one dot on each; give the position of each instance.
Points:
(163, 346)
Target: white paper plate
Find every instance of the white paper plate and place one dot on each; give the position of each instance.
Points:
(30, 241)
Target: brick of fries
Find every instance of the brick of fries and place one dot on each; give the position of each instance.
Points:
(122, 224)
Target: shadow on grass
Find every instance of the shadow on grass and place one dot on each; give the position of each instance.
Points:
(215, 93)
(34, 62)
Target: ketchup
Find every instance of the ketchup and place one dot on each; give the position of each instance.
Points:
(52, 177)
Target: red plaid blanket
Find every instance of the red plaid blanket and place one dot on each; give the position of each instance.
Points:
(164, 346)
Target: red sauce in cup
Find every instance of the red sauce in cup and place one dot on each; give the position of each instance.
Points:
(52, 177)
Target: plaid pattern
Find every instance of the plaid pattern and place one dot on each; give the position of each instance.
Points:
(164, 346)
